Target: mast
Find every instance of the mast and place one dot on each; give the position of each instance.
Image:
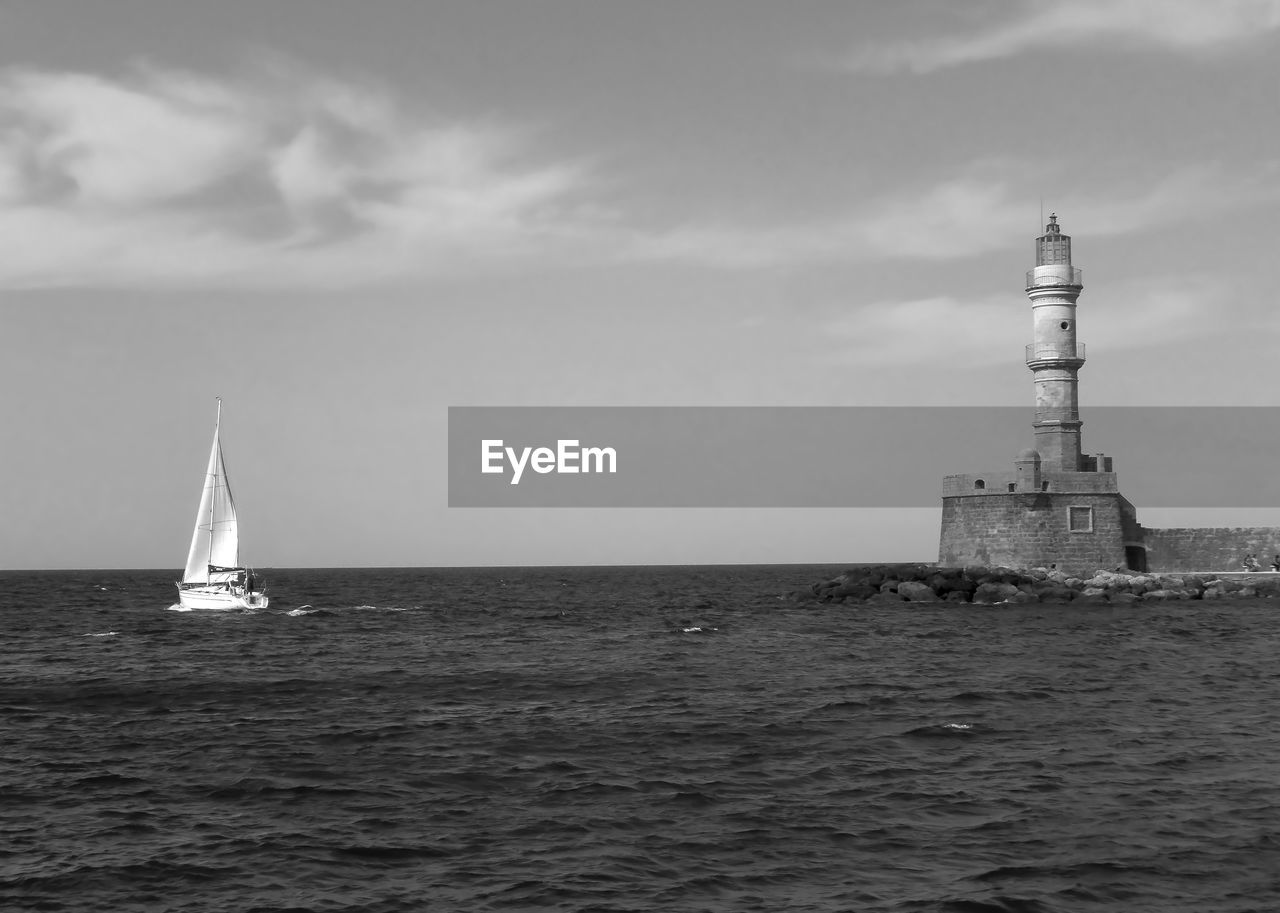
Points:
(217, 449)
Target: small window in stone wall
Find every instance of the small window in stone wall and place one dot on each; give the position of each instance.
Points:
(1080, 519)
(1044, 486)
(1013, 486)
(979, 484)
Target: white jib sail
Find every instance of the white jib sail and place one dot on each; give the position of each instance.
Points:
(215, 539)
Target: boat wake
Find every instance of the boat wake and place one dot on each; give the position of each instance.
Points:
(309, 609)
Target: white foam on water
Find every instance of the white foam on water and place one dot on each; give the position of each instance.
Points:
(103, 634)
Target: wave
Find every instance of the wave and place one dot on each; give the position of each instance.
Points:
(942, 729)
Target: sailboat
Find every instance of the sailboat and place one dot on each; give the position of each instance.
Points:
(213, 578)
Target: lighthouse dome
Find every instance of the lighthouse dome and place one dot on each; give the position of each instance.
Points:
(1030, 455)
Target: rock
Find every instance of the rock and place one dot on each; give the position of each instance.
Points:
(916, 592)
(885, 599)
(897, 584)
(1268, 585)
(975, 572)
(915, 572)
(1140, 584)
(1001, 575)
(1109, 580)
(948, 579)
(990, 593)
(855, 591)
(1056, 594)
(963, 585)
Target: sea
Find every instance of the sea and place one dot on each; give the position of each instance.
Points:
(628, 739)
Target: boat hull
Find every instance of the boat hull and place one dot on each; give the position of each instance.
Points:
(220, 598)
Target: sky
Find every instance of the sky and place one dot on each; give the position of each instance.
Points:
(345, 218)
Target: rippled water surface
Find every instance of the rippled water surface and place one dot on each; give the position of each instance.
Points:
(628, 739)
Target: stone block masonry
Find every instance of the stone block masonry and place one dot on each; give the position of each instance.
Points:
(1075, 532)
(1209, 548)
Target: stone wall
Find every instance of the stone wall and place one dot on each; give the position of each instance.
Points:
(998, 481)
(1033, 530)
(1209, 548)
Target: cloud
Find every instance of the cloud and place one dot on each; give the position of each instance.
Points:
(1185, 194)
(1181, 26)
(925, 330)
(960, 217)
(110, 144)
(1156, 312)
(994, 329)
(287, 178)
(166, 176)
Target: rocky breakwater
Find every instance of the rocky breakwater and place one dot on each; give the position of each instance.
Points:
(923, 583)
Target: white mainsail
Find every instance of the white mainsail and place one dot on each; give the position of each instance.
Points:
(216, 539)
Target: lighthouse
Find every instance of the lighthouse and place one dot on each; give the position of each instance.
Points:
(1055, 357)
(1056, 505)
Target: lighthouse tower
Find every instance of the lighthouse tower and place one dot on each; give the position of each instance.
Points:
(1056, 506)
(1055, 357)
